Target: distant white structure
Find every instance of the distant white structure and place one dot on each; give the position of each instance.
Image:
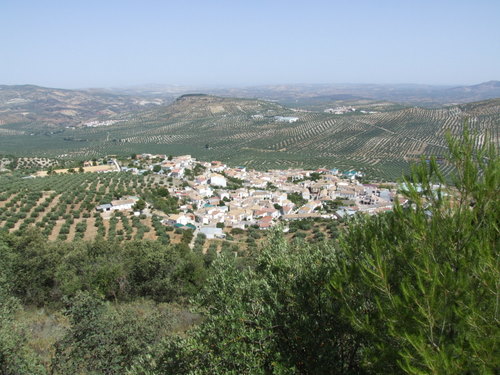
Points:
(286, 119)
(95, 124)
(340, 110)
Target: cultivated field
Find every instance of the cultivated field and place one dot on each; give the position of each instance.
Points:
(63, 206)
(380, 144)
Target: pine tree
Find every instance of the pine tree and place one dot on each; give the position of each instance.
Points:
(423, 282)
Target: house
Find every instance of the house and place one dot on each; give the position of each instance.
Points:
(123, 204)
(345, 193)
(346, 211)
(196, 198)
(212, 232)
(217, 180)
(261, 194)
(288, 209)
(263, 212)
(265, 223)
(177, 172)
(176, 219)
(205, 191)
(214, 201)
(309, 207)
(104, 207)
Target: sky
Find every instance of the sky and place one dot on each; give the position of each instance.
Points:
(108, 43)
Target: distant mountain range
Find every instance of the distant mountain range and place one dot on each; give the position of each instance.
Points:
(318, 94)
(421, 95)
(55, 107)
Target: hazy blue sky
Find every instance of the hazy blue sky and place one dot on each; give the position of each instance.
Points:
(89, 43)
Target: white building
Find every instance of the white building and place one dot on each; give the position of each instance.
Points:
(217, 180)
(123, 204)
(286, 119)
(211, 232)
(181, 219)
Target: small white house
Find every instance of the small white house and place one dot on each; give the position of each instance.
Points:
(181, 219)
(212, 232)
(118, 205)
(123, 204)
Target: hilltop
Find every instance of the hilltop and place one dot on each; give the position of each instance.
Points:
(203, 105)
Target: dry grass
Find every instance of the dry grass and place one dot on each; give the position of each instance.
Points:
(93, 169)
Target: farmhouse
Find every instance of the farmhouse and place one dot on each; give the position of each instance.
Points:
(123, 204)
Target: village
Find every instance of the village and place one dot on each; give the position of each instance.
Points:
(213, 196)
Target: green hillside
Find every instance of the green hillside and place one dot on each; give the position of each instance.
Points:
(245, 131)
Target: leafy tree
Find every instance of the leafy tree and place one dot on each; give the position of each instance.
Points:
(198, 169)
(163, 275)
(162, 192)
(139, 205)
(33, 265)
(15, 356)
(297, 199)
(274, 318)
(315, 176)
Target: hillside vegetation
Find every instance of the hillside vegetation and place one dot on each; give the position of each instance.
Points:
(245, 131)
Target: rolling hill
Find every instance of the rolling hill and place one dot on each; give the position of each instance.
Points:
(57, 107)
(245, 131)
